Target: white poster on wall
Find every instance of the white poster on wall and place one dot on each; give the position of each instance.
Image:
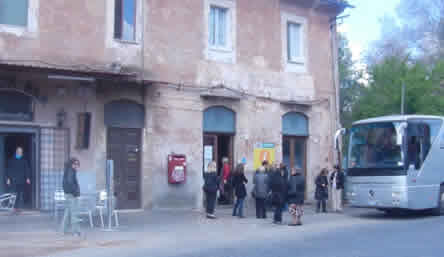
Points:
(208, 156)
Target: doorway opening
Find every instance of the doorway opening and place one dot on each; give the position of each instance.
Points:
(123, 146)
(216, 148)
(9, 142)
(294, 151)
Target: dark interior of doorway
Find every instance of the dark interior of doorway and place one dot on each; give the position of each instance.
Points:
(222, 145)
(8, 145)
(223, 149)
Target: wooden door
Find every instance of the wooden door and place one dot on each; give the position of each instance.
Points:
(124, 148)
(295, 153)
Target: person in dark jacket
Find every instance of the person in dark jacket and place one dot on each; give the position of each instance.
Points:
(239, 181)
(261, 189)
(296, 196)
(18, 174)
(278, 185)
(321, 193)
(71, 188)
(337, 180)
(211, 186)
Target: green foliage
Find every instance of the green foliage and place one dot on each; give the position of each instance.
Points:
(382, 96)
(350, 88)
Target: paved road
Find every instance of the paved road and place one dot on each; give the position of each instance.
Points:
(357, 233)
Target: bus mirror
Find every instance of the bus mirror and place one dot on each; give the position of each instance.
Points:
(400, 131)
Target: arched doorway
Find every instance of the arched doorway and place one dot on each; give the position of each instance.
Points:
(294, 141)
(125, 120)
(219, 128)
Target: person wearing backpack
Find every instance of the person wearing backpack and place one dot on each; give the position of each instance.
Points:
(261, 189)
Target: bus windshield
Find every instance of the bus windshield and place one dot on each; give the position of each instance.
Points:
(376, 145)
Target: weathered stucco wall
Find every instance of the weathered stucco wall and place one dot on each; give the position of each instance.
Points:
(171, 49)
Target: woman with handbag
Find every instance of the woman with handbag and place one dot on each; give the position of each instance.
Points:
(296, 196)
(321, 193)
(239, 181)
(210, 188)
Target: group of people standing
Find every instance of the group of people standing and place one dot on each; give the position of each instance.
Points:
(273, 185)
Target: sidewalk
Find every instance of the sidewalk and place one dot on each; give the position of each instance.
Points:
(36, 234)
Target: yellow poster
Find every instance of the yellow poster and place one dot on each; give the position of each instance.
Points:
(263, 152)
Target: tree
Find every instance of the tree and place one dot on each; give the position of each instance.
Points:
(423, 94)
(349, 80)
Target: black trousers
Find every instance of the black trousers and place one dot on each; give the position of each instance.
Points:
(261, 212)
(211, 201)
(278, 208)
(20, 200)
(322, 203)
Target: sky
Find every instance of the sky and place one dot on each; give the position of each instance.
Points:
(363, 26)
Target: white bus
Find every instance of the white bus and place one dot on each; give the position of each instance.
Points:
(395, 163)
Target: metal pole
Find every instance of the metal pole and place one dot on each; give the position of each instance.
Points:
(109, 192)
(402, 98)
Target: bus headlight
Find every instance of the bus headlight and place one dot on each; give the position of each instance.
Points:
(396, 195)
(351, 194)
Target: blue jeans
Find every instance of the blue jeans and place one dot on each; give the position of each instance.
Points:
(71, 221)
(238, 209)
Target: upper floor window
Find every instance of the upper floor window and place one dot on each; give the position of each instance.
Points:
(125, 20)
(14, 12)
(294, 42)
(218, 27)
(220, 30)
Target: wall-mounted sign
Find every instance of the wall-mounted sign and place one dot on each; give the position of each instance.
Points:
(264, 152)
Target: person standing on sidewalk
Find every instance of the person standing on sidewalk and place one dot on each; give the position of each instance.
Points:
(239, 181)
(296, 196)
(321, 193)
(226, 197)
(71, 188)
(261, 186)
(337, 185)
(278, 185)
(18, 174)
(211, 186)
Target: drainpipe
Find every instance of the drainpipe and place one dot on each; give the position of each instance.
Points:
(335, 71)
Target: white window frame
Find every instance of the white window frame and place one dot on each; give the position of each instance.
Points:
(221, 53)
(111, 41)
(300, 64)
(31, 28)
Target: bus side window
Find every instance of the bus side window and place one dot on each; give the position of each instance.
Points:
(418, 144)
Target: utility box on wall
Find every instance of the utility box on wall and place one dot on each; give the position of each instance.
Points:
(177, 168)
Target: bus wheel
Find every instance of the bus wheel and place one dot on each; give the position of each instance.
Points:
(438, 210)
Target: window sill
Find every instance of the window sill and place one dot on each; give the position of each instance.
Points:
(296, 62)
(14, 29)
(128, 42)
(220, 49)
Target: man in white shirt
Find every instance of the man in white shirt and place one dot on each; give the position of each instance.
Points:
(337, 185)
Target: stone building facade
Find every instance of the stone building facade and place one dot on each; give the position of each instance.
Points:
(137, 80)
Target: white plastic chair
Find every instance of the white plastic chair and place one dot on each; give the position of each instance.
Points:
(102, 202)
(86, 205)
(7, 201)
(59, 202)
